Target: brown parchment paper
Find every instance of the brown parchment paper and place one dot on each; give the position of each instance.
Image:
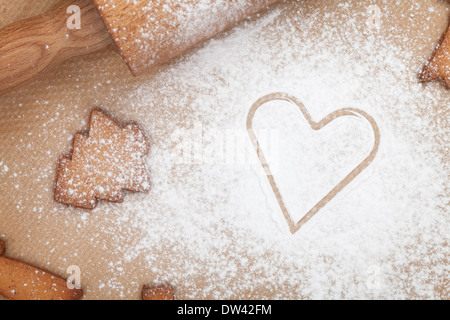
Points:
(37, 233)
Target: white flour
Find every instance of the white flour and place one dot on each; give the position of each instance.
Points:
(384, 236)
(214, 229)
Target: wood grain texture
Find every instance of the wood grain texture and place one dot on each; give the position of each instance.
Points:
(31, 47)
(149, 33)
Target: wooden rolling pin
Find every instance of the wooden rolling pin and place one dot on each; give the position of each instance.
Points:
(21, 281)
(147, 33)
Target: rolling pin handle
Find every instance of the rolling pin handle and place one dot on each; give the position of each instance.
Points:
(33, 46)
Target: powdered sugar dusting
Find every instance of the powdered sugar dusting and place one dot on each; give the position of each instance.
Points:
(222, 232)
(149, 33)
(103, 163)
(213, 228)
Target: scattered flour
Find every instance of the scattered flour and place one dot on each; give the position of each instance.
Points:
(222, 232)
(215, 229)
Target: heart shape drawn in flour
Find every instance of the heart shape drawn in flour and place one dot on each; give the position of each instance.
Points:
(294, 226)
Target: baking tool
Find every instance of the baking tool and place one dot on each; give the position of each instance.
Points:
(147, 33)
(21, 281)
(294, 226)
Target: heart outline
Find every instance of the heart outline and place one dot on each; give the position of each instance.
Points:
(316, 126)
